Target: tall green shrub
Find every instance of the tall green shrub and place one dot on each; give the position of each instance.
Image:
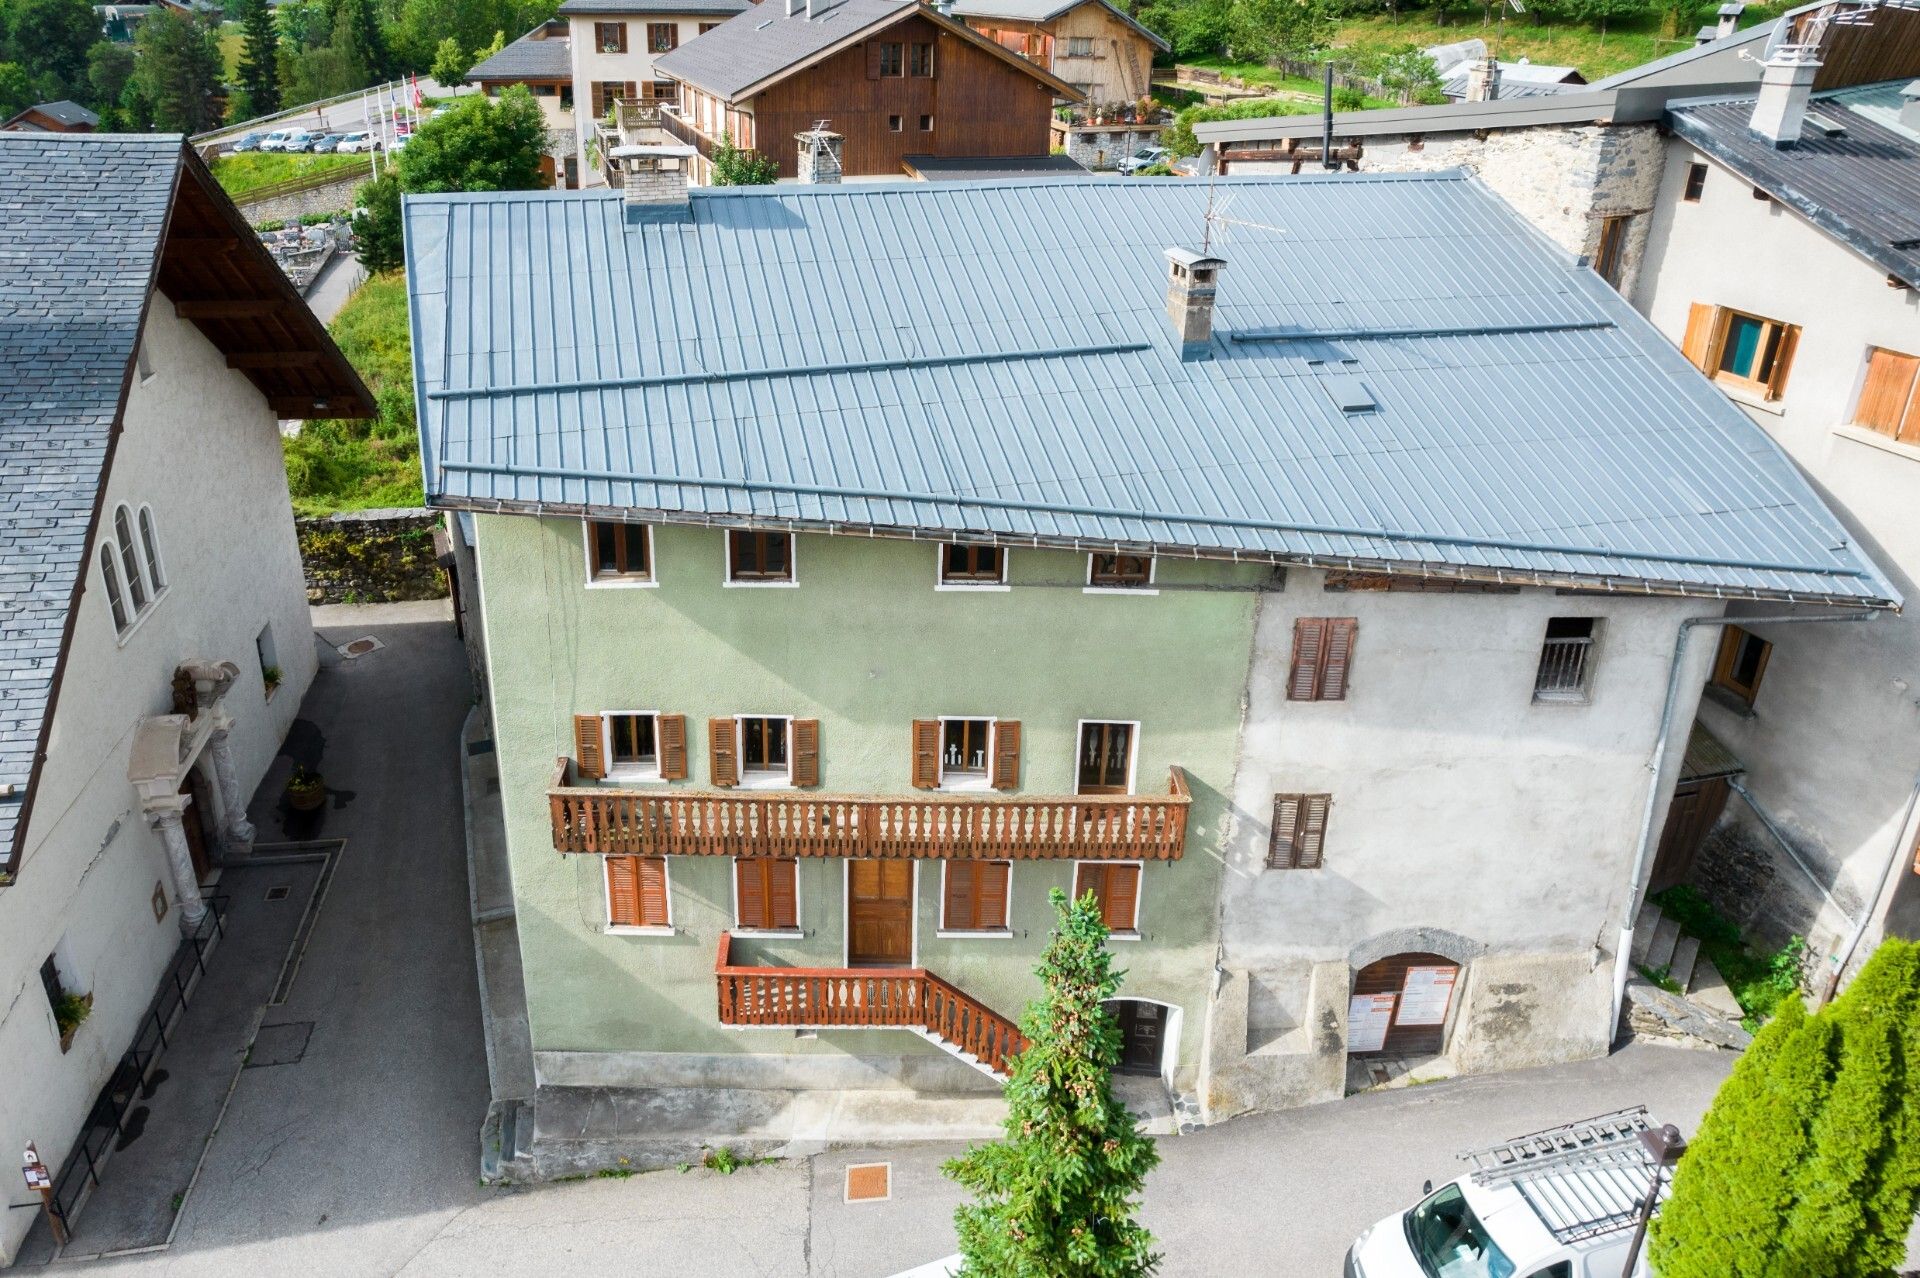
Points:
(1056, 1198)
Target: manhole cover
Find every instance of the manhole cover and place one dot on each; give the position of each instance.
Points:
(359, 647)
(279, 1044)
(278, 893)
(869, 1182)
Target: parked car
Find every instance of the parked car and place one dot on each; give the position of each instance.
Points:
(1145, 158)
(298, 142)
(358, 142)
(276, 139)
(1561, 1203)
(249, 141)
(328, 144)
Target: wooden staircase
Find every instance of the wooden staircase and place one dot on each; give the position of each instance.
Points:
(909, 998)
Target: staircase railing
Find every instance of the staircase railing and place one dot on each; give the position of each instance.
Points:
(864, 998)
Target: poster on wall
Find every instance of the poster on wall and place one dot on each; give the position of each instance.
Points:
(1368, 1016)
(1425, 996)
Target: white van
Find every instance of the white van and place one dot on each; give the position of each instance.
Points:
(1563, 1203)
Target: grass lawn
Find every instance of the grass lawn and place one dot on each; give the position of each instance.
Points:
(364, 465)
(233, 39)
(1625, 44)
(251, 170)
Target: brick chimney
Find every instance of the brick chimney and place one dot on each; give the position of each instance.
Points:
(1786, 82)
(820, 149)
(1483, 81)
(1191, 282)
(654, 179)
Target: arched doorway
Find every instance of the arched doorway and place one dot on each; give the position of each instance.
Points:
(1149, 1036)
(1399, 1006)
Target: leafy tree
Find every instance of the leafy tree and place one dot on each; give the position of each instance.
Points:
(376, 224)
(1808, 1164)
(734, 167)
(52, 37)
(109, 68)
(1597, 13)
(17, 91)
(313, 74)
(480, 144)
(1192, 27)
(303, 24)
(1273, 29)
(450, 62)
(1056, 1198)
(177, 70)
(361, 43)
(1407, 73)
(260, 58)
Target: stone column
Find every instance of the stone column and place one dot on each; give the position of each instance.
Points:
(238, 832)
(186, 884)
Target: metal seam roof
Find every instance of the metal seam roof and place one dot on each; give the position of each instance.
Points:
(992, 359)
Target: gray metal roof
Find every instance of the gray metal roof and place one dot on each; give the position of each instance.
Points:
(547, 57)
(653, 8)
(1046, 11)
(1861, 185)
(79, 235)
(981, 168)
(1022, 381)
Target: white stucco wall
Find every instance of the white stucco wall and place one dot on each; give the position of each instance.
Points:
(201, 448)
(1832, 745)
(591, 66)
(1464, 815)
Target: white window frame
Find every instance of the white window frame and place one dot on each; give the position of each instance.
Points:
(1139, 897)
(594, 582)
(146, 532)
(630, 772)
(979, 587)
(114, 592)
(799, 928)
(1133, 753)
(110, 539)
(793, 561)
(846, 913)
(967, 784)
(1153, 566)
(611, 928)
(761, 780)
(1002, 933)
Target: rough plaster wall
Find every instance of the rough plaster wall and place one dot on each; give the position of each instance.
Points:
(866, 644)
(1832, 743)
(201, 448)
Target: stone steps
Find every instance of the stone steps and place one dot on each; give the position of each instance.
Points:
(1686, 953)
(1643, 928)
(1666, 935)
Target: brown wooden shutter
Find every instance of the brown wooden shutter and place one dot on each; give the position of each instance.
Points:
(1309, 638)
(806, 752)
(1086, 878)
(630, 88)
(1006, 754)
(873, 59)
(623, 891)
(750, 891)
(1297, 838)
(1783, 361)
(1285, 831)
(1699, 339)
(1119, 906)
(1887, 402)
(673, 747)
(959, 902)
(990, 893)
(1337, 659)
(650, 873)
(1309, 848)
(723, 752)
(783, 897)
(926, 754)
(589, 756)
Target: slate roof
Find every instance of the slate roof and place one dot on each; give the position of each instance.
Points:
(78, 244)
(1859, 184)
(63, 112)
(737, 365)
(1046, 11)
(547, 58)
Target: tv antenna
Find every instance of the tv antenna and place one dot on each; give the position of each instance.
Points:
(1218, 226)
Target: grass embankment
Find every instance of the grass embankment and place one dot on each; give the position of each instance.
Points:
(1595, 54)
(1759, 979)
(249, 171)
(363, 465)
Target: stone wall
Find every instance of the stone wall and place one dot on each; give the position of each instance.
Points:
(331, 198)
(1103, 146)
(371, 556)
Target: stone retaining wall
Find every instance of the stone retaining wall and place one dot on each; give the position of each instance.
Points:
(371, 556)
(331, 198)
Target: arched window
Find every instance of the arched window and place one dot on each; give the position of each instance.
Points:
(112, 578)
(150, 544)
(123, 537)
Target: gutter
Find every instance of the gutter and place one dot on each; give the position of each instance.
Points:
(1656, 763)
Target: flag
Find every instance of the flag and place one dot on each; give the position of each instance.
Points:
(414, 83)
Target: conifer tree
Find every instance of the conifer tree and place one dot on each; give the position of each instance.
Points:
(1056, 1198)
(260, 58)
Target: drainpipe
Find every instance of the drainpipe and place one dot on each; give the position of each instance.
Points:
(1636, 882)
(1895, 857)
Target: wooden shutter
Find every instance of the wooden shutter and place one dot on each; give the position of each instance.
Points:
(589, 755)
(1309, 639)
(628, 90)
(1310, 846)
(1337, 658)
(750, 891)
(723, 752)
(1887, 402)
(672, 730)
(1783, 361)
(1281, 838)
(783, 898)
(623, 891)
(926, 754)
(806, 752)
(650, 873)
(873, 59)
(958, 915)
(1120, 904)
(990, 893)
(1006, 754)
(1695, 346)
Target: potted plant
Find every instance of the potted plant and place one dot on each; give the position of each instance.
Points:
(270, 675)
(68, 1013)
(306, 790)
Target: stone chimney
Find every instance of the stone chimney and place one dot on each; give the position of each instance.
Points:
(654, 179)
(1786, 82)
(1483, 81)
(820, 154)
(1191, 282)
(1729, 19)
(1910, 106)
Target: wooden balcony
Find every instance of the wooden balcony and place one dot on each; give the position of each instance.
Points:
(866, 998)
(680, 129)
(788, 823)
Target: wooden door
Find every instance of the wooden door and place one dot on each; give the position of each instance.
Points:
(1141, 1042)
(193, 821)
(1695, 809)
(880, 913)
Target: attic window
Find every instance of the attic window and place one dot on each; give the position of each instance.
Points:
(1350, 393)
